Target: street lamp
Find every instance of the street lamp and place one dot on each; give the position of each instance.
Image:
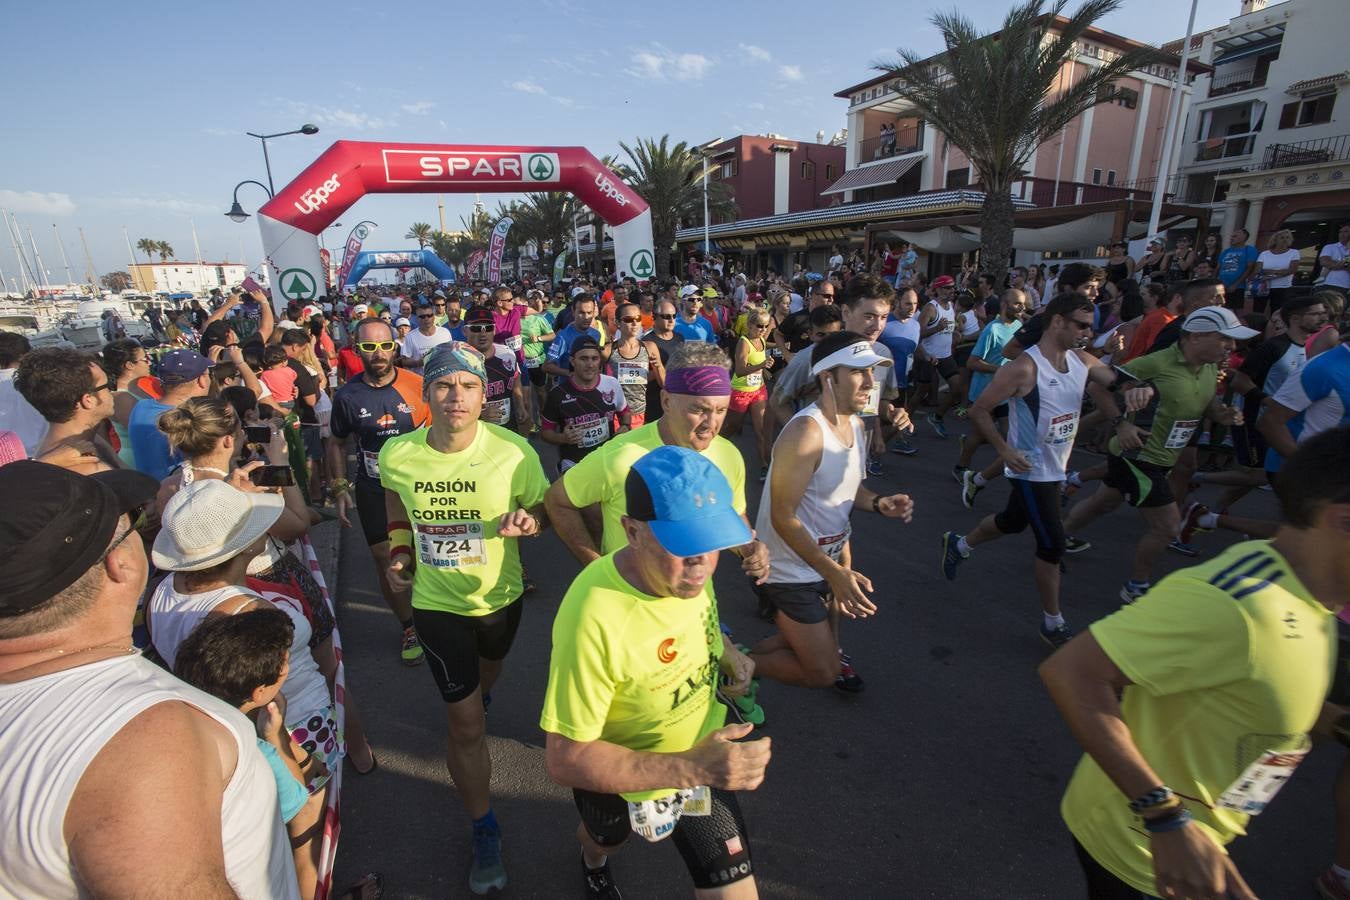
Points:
(705, 151)
(236, 212)
(334, 225)
(303, 129)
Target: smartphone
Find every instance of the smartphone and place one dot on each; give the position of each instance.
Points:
(258, 434)
(250, 284)
(272, 476)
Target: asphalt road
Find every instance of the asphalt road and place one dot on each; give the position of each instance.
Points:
(942, 779)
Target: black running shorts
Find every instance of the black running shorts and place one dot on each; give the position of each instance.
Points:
(454, 644)
(1142, 484)
(716, 847)
(807, 602)
(371, 510)
(1035, 503)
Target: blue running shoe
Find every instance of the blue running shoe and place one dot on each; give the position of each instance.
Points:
(951, 556)
(936, 424)
(487, 872)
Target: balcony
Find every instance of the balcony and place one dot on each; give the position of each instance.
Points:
(1233, 82)
(1231, 147)
(902, 142)
(1306, 153)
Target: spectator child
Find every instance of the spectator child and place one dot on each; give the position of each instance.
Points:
(279, 377)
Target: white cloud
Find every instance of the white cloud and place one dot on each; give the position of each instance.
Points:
(791, 73)
(420, 108)
(661, 64)
(336, 117)
(49, 204)
(525, 86)
(157, 204)
(757, 53)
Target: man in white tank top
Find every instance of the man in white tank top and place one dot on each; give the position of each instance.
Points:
(937, 362)
(1044, 390)
(814, 481)
(114, 775)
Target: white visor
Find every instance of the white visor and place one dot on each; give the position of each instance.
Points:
(859, 355)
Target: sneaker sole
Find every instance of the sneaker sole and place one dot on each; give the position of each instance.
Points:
(1127, 598)
(413, 661)
(1080, 549)
(847, 689)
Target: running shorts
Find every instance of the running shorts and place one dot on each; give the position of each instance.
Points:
(370, 508)
(454, 644)
(743, 400)
(925, 370)
(1142, 484)
(1035, 503)
(804, 602)
(537, 376)
(716, 847)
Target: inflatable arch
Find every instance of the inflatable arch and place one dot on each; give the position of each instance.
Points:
(395, 259)
(348, 170)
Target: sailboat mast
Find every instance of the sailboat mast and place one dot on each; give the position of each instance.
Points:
(65, 260)
(89, 271)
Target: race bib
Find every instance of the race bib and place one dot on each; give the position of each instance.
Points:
(371, 462)
(1180, 435)
(592, 434)
(833, 544)
(873, 406)
(497, 411)
(631, 374)
(949, 327)
(1262, 780)
(513, 342)
(754, 380)
(452, 546)
(1062, 428)
(654, 820)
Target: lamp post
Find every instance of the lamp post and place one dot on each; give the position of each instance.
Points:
(236, 212)
(303, 129)
(705, 151)
(1173, 121)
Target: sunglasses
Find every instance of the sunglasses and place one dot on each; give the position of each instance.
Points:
(480, 329)
(374, 346)
(630, 320)
(426, 315)
(1081, 325)
(665, 315)
(440, 306)
(100, 387)
(139, 516)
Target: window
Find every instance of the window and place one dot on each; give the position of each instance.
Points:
(808, 171)
(1096, 176)
(1111, 177)
(829, 172)
(729, 168)
(958, 178)
(1308, 111)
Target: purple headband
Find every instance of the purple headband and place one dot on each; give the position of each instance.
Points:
(699, 381)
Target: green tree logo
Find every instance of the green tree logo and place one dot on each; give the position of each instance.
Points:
(641, 264)
(541, 167)
(297, 284)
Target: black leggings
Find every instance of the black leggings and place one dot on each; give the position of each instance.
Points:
(716, 847)
(1035, 503)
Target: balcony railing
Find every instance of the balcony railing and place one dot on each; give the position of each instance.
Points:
(1045, 192)
(1303, 153)
(1233, 82)
(1233, 145)
(900, 143)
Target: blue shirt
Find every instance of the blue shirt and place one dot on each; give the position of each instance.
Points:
(697, 330)
(560, 351)
(1233, 262)
(990, 349)
(149, 446)
(291, 794)
(901, 338)
(1320, 394)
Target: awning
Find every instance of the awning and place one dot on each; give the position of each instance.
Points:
(1313, 84)
(1251, 49)
(873, 176)
(943, 239)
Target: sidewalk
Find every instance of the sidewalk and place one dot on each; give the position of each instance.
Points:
(327, 540)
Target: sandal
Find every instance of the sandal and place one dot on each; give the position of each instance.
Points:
(370, 887)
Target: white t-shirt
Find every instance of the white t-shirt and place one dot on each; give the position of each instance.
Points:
(416, 344)
(18, 416)
(1270, 260)
(797, 302)
(836, 262)
(1337, 277)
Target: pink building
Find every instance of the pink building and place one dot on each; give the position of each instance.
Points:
(770, 175)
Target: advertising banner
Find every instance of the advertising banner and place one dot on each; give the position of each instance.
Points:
(559, 268)
(471, 268)
(496, 248)
(354, 241)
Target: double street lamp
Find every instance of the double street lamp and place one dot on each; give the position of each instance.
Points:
(303, 129)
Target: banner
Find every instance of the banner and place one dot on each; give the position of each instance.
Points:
(496, 248)
(354, 241)
(327, 259)
(559, 268)
(471, 270)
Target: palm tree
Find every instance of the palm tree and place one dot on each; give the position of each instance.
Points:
(148, 247)
(478, 227)
(993, 96)
(670, 179)
(546, 219)
(165, 250)
(420, 232)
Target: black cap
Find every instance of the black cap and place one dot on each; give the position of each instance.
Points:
(476, 315)
(585, 342)
(55, 524)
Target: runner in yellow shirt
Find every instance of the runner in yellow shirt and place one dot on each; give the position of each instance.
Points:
(632, 715)
(1223, 669)
(459, 495)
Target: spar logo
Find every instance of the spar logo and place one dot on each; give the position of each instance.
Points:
(609, 189)
(542, 166)
(641, 264)
(297, 284)
(666, 652)
(312, 199)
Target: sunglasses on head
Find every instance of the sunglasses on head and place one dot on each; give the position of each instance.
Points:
(373, 346)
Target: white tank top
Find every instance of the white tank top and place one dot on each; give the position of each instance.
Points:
(825, 507)
(1043, 423)
(939, 345)
(52, 727)
(172, 616)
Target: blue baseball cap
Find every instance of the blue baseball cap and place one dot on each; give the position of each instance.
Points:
(181, 366)
(687, 502)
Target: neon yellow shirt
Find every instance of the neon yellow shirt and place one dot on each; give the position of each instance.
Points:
(632, 669)
(1228, 659)
(600, 476)
(454, 502)
(755, 380)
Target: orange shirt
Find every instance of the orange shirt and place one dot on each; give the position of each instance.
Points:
(1147, 332)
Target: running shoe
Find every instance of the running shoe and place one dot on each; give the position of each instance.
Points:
(411, 650)
(961, 411)
(936, 424)
(1057, 637)
(1330, 886)
(969, 489)
(904, 447)
(848, 681)
(487, 872)
(959, 471)
(1076, 545)
(1190, 522)
(951, 556)
(1129, 594)
(1226, 442)
(1180, 546)
(874, 467)
(599, 883)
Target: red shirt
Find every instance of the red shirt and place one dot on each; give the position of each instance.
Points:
(349, 364)
(1147, 332)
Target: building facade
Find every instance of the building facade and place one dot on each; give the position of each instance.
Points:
(771, 175)
(174, 277)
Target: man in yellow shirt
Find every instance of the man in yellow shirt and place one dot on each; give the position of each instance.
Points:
(632, 715)
(1223, 669)
(458, 496)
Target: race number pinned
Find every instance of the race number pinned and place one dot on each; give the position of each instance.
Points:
(1261, 781)
(1180, 435)
(655, 820)
(452, 546)
(1062, 428)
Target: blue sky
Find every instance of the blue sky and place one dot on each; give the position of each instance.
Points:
(133, 114)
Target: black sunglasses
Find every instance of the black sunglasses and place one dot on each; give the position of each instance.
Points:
(665, 315)
(139, 516)
(480, 329)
